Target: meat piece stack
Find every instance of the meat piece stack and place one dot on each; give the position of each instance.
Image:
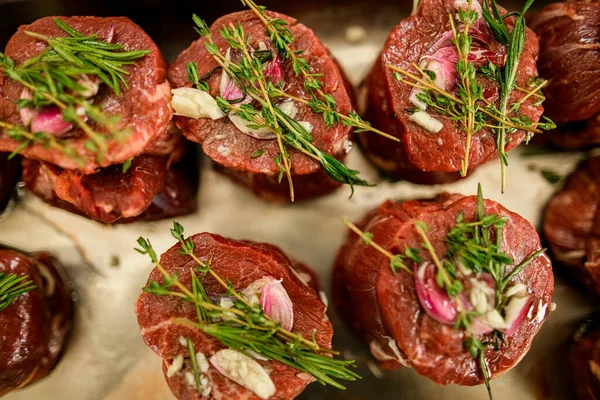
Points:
(168, 324)
(135, 175)
(407, 318)
(34, 327)
(569, 35)
(432, 144)
(572, 224)
(249, 156)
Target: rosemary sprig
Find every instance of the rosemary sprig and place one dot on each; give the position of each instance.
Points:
(469, 90)
(396, 260)
(54, 78)
(289, 133)
(516, 43)
(12, 286)
(244, 327)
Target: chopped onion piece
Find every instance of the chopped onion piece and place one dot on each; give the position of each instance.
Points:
(194, 103)
(244, 371)
(244, 127)
(427, 121)
(175, 367)
(289, 108)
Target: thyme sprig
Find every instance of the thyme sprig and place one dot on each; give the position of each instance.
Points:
(243, 327)
(320, 102)
(54, 78)
(248, 73)
(468, 108)
(397, 261)
(12, 286)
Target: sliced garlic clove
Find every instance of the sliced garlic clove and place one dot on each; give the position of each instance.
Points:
(276, 303)
(228, 87)
(194, 103)
(244, 371)
(244, 127)
(427, 121)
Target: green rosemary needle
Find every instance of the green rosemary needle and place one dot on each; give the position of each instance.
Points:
(471, 244)
(243, 327)
(12, 286)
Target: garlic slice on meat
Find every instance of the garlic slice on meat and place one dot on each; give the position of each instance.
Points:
(228, 87)
(244, 371)
(194, 103)
(277, 304)
(289, 108)
(427, 121)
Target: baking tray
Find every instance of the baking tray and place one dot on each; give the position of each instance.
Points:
(106, 358)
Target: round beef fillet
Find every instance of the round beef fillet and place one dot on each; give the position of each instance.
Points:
(35, 326)
(144, 107)
(575, 135)
(569, 35)
(572, 224)
(9, 176)
(584, 357)
(232, 149)
(387, 307)
(242, 263)
(389, 101)
(105, 196)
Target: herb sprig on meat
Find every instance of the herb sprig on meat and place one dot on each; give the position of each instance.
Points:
(248, 74)
(54, 79)
(12, 286)
(468, 107)
(243, 327)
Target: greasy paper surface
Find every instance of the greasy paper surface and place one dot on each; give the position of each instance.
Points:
(106, 357)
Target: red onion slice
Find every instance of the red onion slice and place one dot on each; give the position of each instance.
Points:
(434, 300)
(276, 303)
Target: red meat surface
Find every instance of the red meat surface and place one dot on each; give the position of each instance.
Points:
(144, 107)
(241, 262)
(572, 224)
(232, 149)
(35, 326)
(420, 150)
(384, 307)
